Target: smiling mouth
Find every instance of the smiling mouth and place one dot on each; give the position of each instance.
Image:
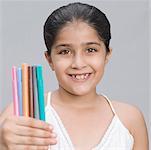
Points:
(80, 77)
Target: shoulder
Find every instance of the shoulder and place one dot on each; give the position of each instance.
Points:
(132, 117)
(128, 114)
(45, 98)
(128, 111)
(48, 95)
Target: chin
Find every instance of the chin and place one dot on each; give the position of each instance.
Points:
(79, 91)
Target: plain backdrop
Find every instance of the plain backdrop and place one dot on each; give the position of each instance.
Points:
(126, 77)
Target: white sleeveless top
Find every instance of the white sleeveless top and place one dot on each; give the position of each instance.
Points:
(116, 137)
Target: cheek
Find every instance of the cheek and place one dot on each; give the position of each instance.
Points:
(61, 65)
(98, 63)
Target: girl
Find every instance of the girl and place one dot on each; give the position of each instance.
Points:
(77, 38)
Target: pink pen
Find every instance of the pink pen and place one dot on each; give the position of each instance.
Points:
(15, 91)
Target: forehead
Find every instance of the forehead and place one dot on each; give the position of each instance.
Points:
(77, 32)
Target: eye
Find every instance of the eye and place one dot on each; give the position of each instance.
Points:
(91, 50)
(65, 52)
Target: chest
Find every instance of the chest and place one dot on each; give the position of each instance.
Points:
(85, 129)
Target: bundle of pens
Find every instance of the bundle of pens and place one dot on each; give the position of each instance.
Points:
(28, 91)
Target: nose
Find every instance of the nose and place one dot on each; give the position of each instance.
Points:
(78, 61)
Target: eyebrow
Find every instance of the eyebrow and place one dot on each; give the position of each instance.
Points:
(69, 45)
(90, 43)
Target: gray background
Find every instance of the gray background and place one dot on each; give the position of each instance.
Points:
(127, 74)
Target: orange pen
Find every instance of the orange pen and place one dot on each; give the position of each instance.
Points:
(25, 88)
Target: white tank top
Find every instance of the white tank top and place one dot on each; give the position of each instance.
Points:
(116, 137)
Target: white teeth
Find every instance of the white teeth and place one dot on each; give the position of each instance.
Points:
(73, 76)
(80, 77)
(86, 75)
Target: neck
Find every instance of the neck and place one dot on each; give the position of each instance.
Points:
(77, 101)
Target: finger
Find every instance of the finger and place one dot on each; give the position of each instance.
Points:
(35, 123)
(27, 140)
(34, 132)
(27, 147)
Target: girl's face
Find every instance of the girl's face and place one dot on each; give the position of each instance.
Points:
(78, 58)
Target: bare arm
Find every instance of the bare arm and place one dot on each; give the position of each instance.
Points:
(134, 121)
(139, 131)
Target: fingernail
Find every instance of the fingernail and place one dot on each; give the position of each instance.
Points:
(50, 127)
(53, 135)
(46, 147)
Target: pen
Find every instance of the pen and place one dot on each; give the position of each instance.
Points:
(40, 92)
(19, 85)
(31, 100)
(25, 90)
(15, 92)
(35, 93)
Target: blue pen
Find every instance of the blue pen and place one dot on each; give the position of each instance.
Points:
(19, 86)
(40, 92)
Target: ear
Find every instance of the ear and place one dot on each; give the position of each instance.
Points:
(108, 56)
(48, 58)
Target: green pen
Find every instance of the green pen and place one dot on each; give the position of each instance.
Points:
(40, 88)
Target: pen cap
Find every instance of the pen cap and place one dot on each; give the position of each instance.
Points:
(25, 89)
(40, 93)
(35, 93)
(19, 86)
(15, 90)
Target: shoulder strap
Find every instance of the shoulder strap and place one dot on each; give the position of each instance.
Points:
(48, 99)
(112, 108)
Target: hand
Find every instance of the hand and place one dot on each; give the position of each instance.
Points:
(20, 133)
